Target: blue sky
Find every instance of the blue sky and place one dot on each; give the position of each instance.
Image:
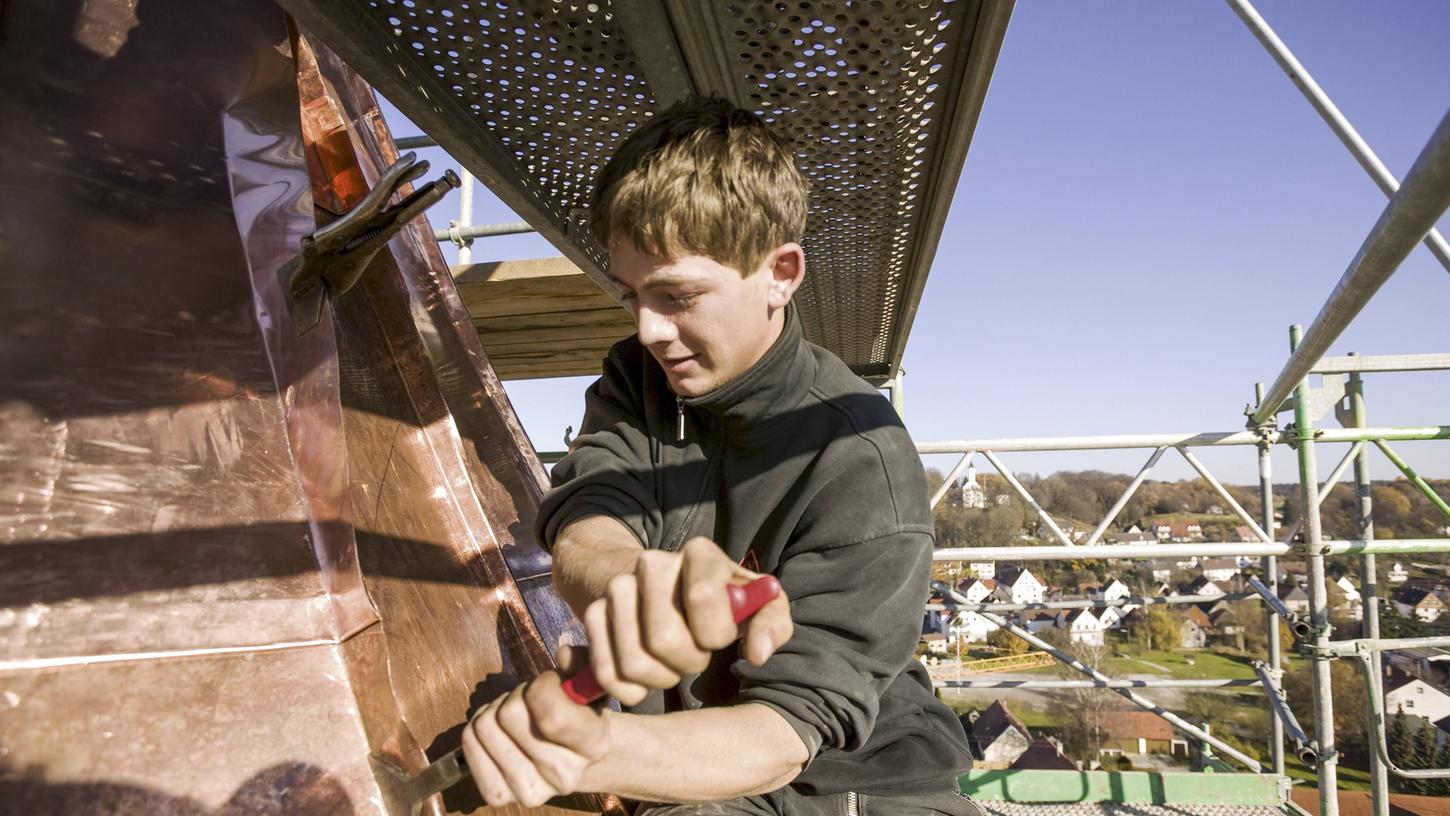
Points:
(1148, 203)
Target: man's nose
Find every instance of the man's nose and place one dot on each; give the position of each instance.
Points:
(653, 328)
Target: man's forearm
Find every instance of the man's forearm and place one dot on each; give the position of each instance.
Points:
(705, 755)
(587, 553)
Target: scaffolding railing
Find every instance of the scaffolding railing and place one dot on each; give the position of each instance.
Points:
(1409, 218)
(1311, 632)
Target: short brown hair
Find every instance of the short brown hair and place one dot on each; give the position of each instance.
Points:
(702, 178)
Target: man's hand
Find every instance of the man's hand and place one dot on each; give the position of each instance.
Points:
(534, 743)
(664, 619)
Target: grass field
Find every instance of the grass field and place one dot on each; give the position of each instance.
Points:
(1176, 664)
(1352, 779)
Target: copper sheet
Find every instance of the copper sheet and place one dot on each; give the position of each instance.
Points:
(233, 561)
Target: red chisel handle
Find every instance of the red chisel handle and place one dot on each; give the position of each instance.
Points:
(745, 601)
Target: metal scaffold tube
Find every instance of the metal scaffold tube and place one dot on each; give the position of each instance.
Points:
(1368, 580)
(1303, 746)
(1327, 764)
(1411, 213)
(1171, 440)
(1110, 683)
(1205, 549)
(1271, 571)
(1333, 117)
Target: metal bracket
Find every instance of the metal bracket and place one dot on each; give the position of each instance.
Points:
(334, 257)
(1293, 435)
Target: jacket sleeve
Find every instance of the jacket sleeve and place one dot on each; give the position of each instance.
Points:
(608, 470)
(856, 604)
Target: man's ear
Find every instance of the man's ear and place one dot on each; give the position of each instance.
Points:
(786, 265)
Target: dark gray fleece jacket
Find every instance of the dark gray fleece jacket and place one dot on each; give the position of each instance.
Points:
(800, 469)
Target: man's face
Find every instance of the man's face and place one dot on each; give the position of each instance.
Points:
(702, 321)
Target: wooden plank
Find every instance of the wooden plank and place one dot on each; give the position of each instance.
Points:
(516, 270)
(613, 316)
(586, 332)
(571, 285)
(550, 345)
(555, 368)
(488, 304)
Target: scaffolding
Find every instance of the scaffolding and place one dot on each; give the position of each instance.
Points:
(1408, 220)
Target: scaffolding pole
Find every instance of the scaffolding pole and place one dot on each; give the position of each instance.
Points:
(1327, 761)
(1368, 579)
(1203, 549)
(1411, 213)
(1331, 114)
(1271, 572)
(1209, 439)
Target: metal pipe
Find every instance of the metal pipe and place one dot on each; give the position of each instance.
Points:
(1327, 761)
(1297, 625)
(1208, 549)
(415, 142)
(1027, 497)
(1113, 683)
(1223, 493)
(1303, 746)
(1127, 693)
(465, 218)
(951, 477)
(1126, 497)
(1173, 440)
(1411, 213)
(1091, 603)
(1414, 478)
(1345, 648)
(1379, 726)
(1355, 364)
(484, 231)
(1332, 116)
(1379, 784)
(1271, 570)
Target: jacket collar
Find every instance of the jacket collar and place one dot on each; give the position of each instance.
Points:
(771, 388)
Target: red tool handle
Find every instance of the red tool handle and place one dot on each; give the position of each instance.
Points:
(745, 601)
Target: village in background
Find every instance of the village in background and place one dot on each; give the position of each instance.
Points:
(1220, 637)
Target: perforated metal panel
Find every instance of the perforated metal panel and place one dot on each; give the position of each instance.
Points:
(878, 98)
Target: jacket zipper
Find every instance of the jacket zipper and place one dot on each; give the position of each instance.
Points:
(852, 804)
(679, 419)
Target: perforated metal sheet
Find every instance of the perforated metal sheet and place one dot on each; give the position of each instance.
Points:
(878, 98)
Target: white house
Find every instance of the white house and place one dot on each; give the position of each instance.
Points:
(976, 590)
(1114, 590)
(1203, 585)
(1112, 616)
(983, 569)
(972, 628)
(1023, 585)
(1415, 697)
(936, 643)
(1419, 602)
(1344, 591)
(1083, 627)
(1218, 569)
(1398, 574)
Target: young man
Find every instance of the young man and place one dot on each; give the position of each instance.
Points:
(719, 445)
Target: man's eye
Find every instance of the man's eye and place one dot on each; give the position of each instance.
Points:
(684, 300)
